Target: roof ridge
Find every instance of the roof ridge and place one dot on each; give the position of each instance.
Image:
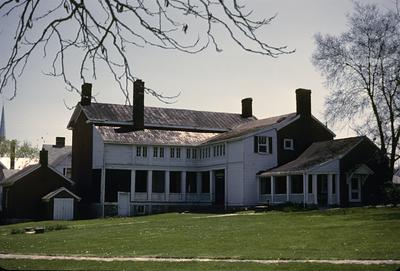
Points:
(168, 108)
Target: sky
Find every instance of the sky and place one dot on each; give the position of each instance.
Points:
(208, 81)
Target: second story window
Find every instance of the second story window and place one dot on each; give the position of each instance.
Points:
(187, 153)
(141, 151)
(161, 152)
(155, 151)
(262, 144)
(178, 152)
(288, 144)
(172, 152)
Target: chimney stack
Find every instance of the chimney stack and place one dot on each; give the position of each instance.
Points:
(303, 102)
(12, 154)
(60, 142)
(86, 94)
(138, 105)
(247, 108)
(43, 157)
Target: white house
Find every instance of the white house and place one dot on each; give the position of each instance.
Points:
(195, 159)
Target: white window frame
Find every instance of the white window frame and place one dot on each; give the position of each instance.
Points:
(259, 144)
(358, 190)
(155, 152)
(290, 141)
(161, 150)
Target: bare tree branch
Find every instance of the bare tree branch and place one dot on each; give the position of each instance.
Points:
(101, 30)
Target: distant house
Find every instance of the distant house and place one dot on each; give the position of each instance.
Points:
(188, 159)
(38, 192)
(60, 156)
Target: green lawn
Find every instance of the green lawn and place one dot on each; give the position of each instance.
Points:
(139, 266)
(357, 233)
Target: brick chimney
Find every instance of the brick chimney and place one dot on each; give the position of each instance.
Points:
(60, 142)
(303, 102)
(43, 157)
(247, 108)
(138, 105)
(86, 94)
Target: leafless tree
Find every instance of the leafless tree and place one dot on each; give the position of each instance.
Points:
(362, 70)
(103, 29)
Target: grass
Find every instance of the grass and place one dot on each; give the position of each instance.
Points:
(356, 233)
(150, 266)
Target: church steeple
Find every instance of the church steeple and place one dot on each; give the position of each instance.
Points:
(2, 125)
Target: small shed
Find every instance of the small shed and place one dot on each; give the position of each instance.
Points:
(60, 204)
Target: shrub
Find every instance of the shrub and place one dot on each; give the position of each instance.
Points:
(392, 193)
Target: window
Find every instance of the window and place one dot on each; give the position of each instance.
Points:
(265, 185)
(141, 151)
(288, 144)
(215, 151)
(155, 151)
(172, 152)
(194, 153)
(178, 152)
(161, 152)
(262, 144)
(67, 172)
(297, 184)
(187, 153)
(223, 149)
(355, 189)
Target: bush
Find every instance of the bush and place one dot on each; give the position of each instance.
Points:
(392, 193)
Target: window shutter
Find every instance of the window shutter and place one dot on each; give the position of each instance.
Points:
(256, 144)
(270, 144)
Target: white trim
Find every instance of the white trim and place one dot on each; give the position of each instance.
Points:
(291, 145)
(55, 192)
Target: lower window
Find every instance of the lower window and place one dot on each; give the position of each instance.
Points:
(355, 189)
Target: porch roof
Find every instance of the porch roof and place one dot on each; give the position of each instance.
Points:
(317, 154)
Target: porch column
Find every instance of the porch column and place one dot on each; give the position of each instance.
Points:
(133, 184)
(305, 188)
(211, 186)
(167, 177)
(337, 183)
(258, 183)
(272, 189)
(288, 179)
(183, 185)
(329, 189)
(314, 188)
(149, 184)
(102, 190)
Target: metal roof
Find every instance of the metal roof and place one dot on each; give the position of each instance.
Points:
(153, 137)
(57, 154)
(253, 126)
(317, 154)
(165, 118)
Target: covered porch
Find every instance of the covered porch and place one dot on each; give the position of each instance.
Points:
(322, 189)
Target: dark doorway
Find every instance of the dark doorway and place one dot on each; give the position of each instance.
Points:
(220, 187)
(322, 190)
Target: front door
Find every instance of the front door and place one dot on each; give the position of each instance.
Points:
(123, 203)
(322, 190)
(220, 187)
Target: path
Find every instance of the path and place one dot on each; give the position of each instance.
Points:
(154, 259)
